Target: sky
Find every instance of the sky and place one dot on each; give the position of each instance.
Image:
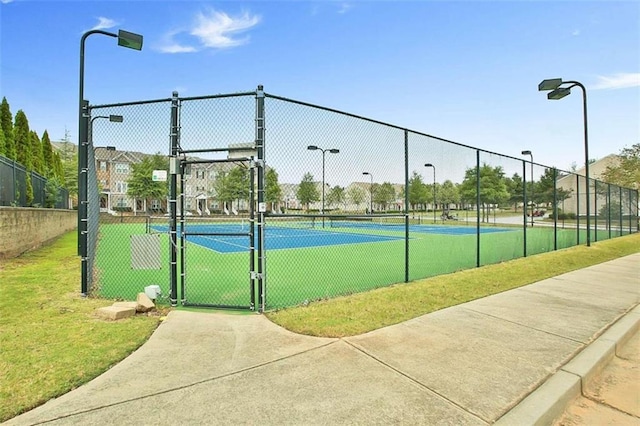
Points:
(465, 71)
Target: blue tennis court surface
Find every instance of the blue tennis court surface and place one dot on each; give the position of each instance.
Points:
(284, 237)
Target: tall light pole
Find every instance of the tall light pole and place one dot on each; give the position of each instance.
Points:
(324, 151)
(527, 152)
(370, 192)
(557, 92)
(434, 190)
(125, 39)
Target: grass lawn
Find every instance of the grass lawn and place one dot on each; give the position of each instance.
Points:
(51, 341)
(364, 312)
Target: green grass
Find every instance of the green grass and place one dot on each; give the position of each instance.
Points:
(50, 338)
(297, 276)
(364, 312)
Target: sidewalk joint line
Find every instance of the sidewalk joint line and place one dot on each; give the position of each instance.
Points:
(619, 410)
(527, 326)
(177, 388)
(414, 380)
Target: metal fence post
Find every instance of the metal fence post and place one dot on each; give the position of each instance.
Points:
(173, 202)
(406, 206)
(524, 204)
(83, 166)
(262, 208)
(477, 208)
(577, 209)
(555, 209)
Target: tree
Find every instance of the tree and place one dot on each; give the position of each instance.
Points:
(417, 190)
(493, 188)
(335, 196)
(47, 155)
(307, 191)
(356, 195)
(233, 185)
(52, 192)
(515, 186)
(384, 194)
(627, 172)
(6, 122)
(2, 147)
(448, 193)
(22, 138)
(273, 191)
(141, 185)
(70, 174)
(29, 193)
(37, 155)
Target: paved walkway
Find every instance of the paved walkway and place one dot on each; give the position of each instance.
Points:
(518, 357)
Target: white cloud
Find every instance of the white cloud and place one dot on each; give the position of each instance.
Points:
(5, 1)
(217, 29)
(344, 8)
(617, 81)
(104, 23)
(212, 30)
(575, 33)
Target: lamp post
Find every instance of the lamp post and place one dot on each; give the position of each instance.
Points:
(434, 190)
(529, 153)
(370, 192)
(125, 39)
(112, 118)
(557, 92)
(324, 151)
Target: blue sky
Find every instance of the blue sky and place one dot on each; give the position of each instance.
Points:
(464, 71)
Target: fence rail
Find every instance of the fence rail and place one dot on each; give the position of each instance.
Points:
(341, 203)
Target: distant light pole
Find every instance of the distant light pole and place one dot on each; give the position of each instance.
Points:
(434, 190)
(556, 93)
(370, 192)
(125, 39)
(527, 152)
(324, 151)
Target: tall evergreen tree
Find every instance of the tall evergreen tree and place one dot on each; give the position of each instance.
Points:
(47, 155)
(2, 147)
(6, 122)
(29, 193)
(22, 139)
(58, 168)
(37, 156)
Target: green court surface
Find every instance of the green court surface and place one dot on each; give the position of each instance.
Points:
(297, 275)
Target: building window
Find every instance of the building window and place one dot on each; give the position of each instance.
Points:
(103, 183)
(103, 166)
(200, 174)
(122, 202)
(122, 168)
(121, 187)
(155, 204)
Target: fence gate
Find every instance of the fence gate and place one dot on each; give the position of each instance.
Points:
(217, 246)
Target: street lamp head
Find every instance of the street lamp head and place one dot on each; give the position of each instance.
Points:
(116, 118)
(527, 152)
(312, 148)
(334, 151)
(130, 40)
(559, 93)
(429, 165)
(550, 84)
(366, 173)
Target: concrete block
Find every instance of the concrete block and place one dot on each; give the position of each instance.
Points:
(115, 312)
(130, 305)
(546, 403)
(144, 304)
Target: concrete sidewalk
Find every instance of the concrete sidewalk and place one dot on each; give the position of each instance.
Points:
(517, 358)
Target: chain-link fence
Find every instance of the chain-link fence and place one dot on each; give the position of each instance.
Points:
(13, 188)
(195, 196)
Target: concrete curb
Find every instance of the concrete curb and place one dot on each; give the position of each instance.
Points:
(549, 401)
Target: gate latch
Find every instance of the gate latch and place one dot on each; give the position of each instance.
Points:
(256, 275)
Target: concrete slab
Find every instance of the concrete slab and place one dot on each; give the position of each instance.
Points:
(114, 313)
(334, 384)
(188, 347)
(482, 363)
(562, 316)
(585, 412)
(620, 295)
(590, 362)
